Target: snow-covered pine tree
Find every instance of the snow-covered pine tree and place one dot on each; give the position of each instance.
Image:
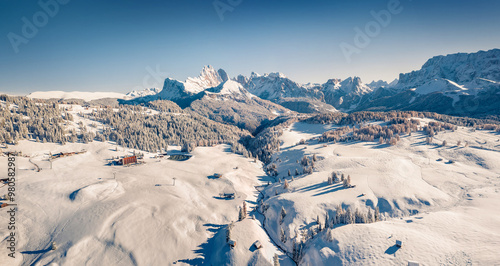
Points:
(349, 216)
(358, 216)
(327, 220)
(241, 216)
(282, 235)
(282, 215)
(370, 218)
(312, 232)
(320, 227)
(276, 260)
(228, 231)
(294, 251)
(330, 237)
(344, 183)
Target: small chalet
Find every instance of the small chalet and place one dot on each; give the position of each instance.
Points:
(128, 160)
(227, 195)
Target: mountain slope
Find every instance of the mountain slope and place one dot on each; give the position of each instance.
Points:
(175, 90)
(214, 96)
(457, 84)
(461, 68)
(231, 103)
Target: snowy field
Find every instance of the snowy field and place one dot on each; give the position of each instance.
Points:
(444, 213)
(97, 214)
(137, 218)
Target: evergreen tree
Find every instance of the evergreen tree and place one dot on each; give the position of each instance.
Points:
(320, 228)
(241, 215)
(327, 220)
(282, 215)
(244, 209)
(276, 260)
(282, 235)
(228, 232)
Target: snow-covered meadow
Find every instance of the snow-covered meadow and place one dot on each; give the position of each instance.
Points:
(441, 202)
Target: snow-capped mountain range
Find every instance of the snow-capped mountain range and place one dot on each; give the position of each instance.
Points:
(461, 68)
(457, 84)
(208, 78)
(453, 84)
(452, 78)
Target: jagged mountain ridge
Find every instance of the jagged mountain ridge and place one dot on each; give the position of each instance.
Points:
(208, 78)
(455, 79)
(456, 84)
(213, 95)
(461, 68)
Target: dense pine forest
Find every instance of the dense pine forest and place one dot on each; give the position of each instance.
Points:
(155, 125)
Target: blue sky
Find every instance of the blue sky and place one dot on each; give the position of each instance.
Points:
(122, 45)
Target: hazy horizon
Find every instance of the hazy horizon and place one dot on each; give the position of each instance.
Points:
(100, 46)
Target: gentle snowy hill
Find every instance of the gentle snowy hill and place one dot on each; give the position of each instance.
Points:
(422, 197)
(87, 96)
(165, 212)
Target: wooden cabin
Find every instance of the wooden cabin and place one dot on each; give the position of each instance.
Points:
(216, 175)
(128, 160)
(231, 243)
(399, 243)
(257, 244)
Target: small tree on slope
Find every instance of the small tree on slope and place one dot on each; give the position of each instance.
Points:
(276, 260)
